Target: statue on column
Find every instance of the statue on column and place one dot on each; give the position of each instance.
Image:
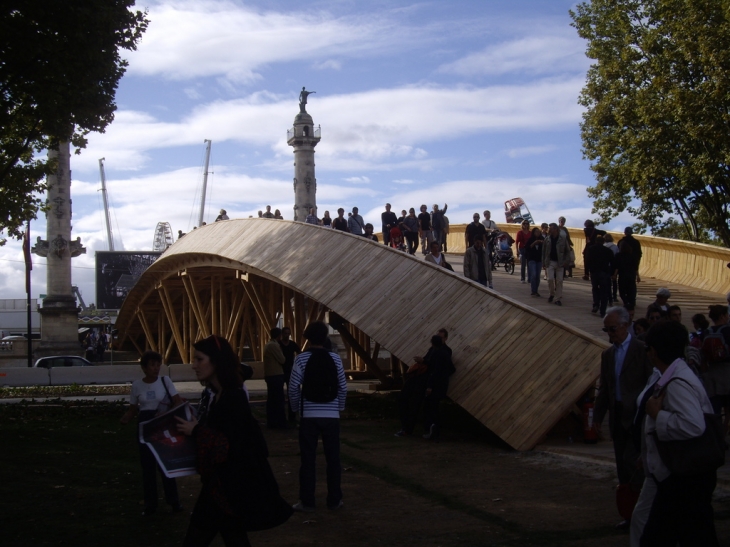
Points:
(303, 99)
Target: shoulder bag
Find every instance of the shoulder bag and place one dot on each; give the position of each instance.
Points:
(698, 454)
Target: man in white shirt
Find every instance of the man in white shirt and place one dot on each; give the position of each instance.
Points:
(488, 223)
(490, 226)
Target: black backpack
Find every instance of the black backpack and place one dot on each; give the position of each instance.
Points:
(320, 383)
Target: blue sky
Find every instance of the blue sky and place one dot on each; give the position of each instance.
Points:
(468, 103)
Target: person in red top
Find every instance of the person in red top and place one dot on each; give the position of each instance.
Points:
(521, 244)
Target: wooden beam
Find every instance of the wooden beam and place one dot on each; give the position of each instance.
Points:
(136, 345)
(161, 331)
(256, 302)
(299, 319)
(338, 323)
(146, 328)
(240, 309)
(195, 304)
(171, 319)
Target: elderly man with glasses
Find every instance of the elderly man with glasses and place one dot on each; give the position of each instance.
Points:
(625, 370)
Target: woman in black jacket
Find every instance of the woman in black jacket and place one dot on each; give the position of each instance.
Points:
(239, 491)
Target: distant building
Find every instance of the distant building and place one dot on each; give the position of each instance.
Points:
(14, 320)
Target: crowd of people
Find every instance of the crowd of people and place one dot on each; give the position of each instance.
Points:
(402, 232)
(239, 491)
(665, 391)
(95, 345)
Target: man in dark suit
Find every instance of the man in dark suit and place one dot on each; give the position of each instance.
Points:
(625, 370)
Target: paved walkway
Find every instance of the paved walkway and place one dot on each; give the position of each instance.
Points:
(578, 300)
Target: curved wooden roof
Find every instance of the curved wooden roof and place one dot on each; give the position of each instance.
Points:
(518, 370)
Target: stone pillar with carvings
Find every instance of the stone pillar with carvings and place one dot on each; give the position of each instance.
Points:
(303, 137)
(59, 313)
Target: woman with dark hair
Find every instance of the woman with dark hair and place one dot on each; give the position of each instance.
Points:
(369, 232)
(239, 491)
(702, 327)
(641, 327)
(152, 395)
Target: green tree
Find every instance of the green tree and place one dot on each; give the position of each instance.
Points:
(59, 71)
(657, 122)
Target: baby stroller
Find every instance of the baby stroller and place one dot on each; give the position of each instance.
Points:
(501, 245)
(396, 239)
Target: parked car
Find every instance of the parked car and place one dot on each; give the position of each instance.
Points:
(62, 361)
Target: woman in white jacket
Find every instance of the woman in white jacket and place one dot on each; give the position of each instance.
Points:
(681, 512)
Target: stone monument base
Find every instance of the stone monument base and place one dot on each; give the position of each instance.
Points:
(59, 328)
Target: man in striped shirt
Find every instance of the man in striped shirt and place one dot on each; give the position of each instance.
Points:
(318, 418)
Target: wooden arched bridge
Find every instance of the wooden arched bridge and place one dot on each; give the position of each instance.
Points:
(518, 370)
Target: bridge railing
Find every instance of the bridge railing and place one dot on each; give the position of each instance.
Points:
(693, 264)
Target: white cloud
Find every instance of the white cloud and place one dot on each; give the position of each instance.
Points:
(192, 93)
(523, 152)
(535, 55)
(358, 180)
(329, 64)
(403, 181)
(187, 39)
(396, 130)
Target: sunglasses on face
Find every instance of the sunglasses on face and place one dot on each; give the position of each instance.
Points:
(609, 329)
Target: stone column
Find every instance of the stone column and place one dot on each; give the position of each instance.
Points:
(59, 314)
(303, 136)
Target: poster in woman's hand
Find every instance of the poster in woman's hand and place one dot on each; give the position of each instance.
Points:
(174, 451)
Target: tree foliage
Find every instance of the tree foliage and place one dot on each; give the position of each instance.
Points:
(657, 122)
(59, 71)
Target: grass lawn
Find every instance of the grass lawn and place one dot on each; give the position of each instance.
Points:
(70, 476)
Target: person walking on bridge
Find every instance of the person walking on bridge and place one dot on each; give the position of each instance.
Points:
(476, 264)
(437, 223)
(355, 224)
(340, 222)
(389, 221)
(410, 230)
(555, 255)
(424, 230)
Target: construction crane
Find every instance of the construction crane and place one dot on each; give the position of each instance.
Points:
(109, 234)
(76, 291)
(205, 181)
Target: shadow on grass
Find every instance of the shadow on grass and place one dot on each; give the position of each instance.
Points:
(70, 476)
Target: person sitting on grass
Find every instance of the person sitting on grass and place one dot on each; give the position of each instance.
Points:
(153, 395)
